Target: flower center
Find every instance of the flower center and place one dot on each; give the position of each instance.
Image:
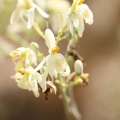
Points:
(22, 71)
(55, 50)
(28, 4)
(81, 1)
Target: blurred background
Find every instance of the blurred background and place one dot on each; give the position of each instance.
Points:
(99, 46)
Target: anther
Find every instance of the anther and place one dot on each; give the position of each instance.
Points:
(22, 71)
(55, 50)
(81, 1)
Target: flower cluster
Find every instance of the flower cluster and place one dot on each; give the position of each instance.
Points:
(26, 77)
(76, 16)
(55, 7)
(54, 62)
(30, 77)
(23, 57)
(41, 77)
(26, 7)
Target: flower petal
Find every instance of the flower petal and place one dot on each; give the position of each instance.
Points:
(34, 85)
(32, 57)
(15, 15)
(87, 13)
(40, 65)
(75, 20)
(61, 65)
(30, 18)
(49, 39)
(42, 80)
(66, 72)
(70, 25)
(81, 24)
(44, 14)
(50, 66)
(59, 62)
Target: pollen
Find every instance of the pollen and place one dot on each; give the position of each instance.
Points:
(22, 71)
(55, 50)
(81, 1)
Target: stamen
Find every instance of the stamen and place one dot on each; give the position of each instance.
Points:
(81, 1)
(22, 71)
(55, 50)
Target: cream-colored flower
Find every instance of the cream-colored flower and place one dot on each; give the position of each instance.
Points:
(55, 7)
(29, 79)
(55, 62)
(23, 57)
(26, 7)
(76, 17)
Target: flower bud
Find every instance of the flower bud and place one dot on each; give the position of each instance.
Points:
(42, 69)
(78, 66)
(34, 46)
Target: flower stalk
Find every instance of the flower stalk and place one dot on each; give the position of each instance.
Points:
(68, 102)
(60, 32)
(38, 30)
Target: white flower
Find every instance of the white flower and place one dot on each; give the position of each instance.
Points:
(29, 79)
(55, 62)
(23, 57)
(77, 16)
(55, 7)
(26, 6)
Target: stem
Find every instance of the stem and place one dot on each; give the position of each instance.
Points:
(73, 105)
(70, 107)
(75, 3)
(60, 32)
(38, 30)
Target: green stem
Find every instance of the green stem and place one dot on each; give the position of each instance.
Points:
(60, 32)
(75, 3)
(69, 107)
(65, 99)
(74, 83)
(38, 30)
(67, 85)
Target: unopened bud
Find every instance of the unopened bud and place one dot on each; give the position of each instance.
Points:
(42, 69)
(78, 66)
(34, 46)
